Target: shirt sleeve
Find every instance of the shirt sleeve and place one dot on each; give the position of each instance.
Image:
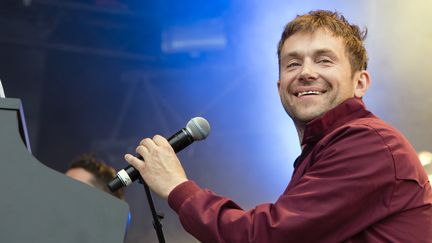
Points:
(347, 189)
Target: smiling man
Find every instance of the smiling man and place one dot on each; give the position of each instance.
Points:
(316, 74)
(357, 179)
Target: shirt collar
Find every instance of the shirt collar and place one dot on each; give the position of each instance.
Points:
(348, 110)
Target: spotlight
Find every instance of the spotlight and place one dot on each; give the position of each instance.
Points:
(205, 35)
(426, 160)
(26, 3)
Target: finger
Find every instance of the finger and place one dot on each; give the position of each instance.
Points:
(148, 143)
(142, 150)
(160, 141)
(142, 141)
(135, 162)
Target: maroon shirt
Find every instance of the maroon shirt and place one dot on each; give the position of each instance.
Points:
(357, 180)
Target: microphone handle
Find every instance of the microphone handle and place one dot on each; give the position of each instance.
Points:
(180, 140)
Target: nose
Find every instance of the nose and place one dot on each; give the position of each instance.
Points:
(307, 72)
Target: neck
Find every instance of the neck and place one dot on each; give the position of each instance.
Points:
(300, 131)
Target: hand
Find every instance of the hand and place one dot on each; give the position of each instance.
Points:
(161, 168)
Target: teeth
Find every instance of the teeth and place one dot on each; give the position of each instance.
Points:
(308, 92)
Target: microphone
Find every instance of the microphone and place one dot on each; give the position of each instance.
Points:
(196, 129)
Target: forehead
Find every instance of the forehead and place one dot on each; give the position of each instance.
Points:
(304, 43)
(82, 175)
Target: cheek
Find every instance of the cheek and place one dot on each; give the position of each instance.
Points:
(284, 85)
(336, 80)
(284, 90)
(286, 81)
(329, 74)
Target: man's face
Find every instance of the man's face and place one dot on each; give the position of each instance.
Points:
(315, 75)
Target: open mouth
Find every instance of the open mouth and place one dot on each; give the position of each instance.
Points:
(309, 92)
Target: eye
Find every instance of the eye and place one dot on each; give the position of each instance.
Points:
(293, 64)
(324, 60)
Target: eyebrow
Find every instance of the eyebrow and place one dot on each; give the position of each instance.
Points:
(323, 51)
(290, 54)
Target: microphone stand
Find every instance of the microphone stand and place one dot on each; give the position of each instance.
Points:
(156, 217)
(178, 141)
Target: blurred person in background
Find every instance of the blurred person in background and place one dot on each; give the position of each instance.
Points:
(94, 172)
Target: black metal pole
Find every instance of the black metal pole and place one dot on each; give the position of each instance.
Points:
(156, 217)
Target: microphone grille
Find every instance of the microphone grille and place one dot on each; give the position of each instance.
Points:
(199, 128)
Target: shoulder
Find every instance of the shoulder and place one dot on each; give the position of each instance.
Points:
(378, 142)
(367, 130)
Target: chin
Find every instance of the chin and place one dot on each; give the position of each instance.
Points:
(306, 117)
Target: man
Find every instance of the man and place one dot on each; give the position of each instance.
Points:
(88, 169)
(357, 178)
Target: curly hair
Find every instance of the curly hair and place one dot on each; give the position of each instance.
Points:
(102, 172)
(338, 26)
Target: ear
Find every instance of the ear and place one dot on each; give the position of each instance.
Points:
(361, 83)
